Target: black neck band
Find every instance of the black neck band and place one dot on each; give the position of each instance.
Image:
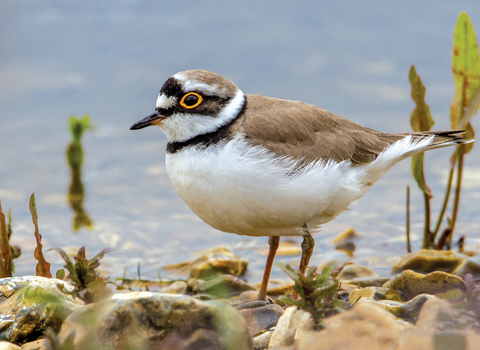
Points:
(209, 139)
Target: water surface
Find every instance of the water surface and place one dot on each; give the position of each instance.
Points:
(109, 59)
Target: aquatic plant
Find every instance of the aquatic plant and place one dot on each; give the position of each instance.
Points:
(466, 73)
(89, 285)
(43, 267)
(6, 260)
(317, 291)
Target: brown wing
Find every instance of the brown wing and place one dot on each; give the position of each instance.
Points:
(308, 133)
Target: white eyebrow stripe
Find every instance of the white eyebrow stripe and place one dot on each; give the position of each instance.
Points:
(165, 102)
(191, 85)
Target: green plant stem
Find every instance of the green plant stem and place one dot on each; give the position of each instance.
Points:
(458, 186)
(446, 198)
(427, 240)
(409, 246)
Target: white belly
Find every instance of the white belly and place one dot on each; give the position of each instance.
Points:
(243, 190)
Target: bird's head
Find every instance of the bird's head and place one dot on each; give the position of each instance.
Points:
(193, 103)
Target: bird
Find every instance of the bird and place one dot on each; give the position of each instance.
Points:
(260, 166)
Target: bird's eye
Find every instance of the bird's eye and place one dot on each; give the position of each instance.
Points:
(191, 100)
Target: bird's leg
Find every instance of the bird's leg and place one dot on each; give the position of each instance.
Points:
(273, 242)
(307, 250)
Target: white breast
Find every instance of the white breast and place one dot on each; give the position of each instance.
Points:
(247, 190)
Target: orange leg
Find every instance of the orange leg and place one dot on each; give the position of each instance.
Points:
(307, 251)
(273, 242)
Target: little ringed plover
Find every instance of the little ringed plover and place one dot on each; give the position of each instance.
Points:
(260, 166)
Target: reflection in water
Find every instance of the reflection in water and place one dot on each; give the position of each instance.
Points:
(76, 192)
(347, 247)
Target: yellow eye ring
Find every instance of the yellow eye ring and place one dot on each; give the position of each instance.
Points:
(183, 104)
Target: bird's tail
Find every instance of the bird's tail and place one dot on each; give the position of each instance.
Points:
(438, 139)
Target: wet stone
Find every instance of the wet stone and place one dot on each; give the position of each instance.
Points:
(157, 321)
(346, 236)
(408, 311)
(212, 263)
(410, 284)
(351, 271)
(178, 287)
(29, 305)
(468, 266)
(374, 293)
(428, 260)
(262, 318)
(368, 281)
(224, 286)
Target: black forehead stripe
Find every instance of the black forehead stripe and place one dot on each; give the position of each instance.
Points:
(171, 87)
(209, 139)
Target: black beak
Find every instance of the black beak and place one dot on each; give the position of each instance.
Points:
(152, 119)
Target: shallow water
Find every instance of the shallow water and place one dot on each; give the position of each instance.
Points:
(109, 60)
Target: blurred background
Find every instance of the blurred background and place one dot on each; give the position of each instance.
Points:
(109, 59)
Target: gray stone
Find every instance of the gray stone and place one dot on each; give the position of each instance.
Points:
(157, 321)
(31, 304)
(222, 287)
(261, 318)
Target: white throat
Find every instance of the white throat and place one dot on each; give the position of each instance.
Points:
(184, 126)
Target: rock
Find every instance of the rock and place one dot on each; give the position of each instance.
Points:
(344, 241)
(365, 326)
(351, 271)
(470, 266)
(35, 345)
(178, 287)
(346, 236)
(288, 326)
(408, 311)
(212, 263)
(374, 293)
(441, 327)
(277, 288)
(428, 260)
(5, 345)
(262, 340)
(285, 248)
(368, 281)
(438, 315)
(157, 321)
(410, 284)
(248, 295)
(261, 318)
(222, 287)
(29, 305)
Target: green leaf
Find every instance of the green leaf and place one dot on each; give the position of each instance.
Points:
(60, 275)
(78, 126)
(421, 119)
(6, 261)
(43, 267)
(465, 68)
(290, 272)
(68, 263)
(290, 301)
(419, 175)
